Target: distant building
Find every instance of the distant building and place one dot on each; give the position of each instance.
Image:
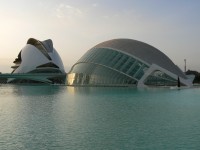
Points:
(37, 57)
(125, 62)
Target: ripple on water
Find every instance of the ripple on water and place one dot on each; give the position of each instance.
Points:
(53, 117)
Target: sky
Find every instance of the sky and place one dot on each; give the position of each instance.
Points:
(75, 26)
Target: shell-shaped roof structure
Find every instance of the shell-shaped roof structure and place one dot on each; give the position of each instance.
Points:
(143, 51)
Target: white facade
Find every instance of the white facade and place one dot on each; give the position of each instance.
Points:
(154, 67)
(36, 54)
(38, 62)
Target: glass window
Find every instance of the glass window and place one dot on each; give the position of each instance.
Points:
(135, 69)
(91, 74)
(159, 78)
(111, 58)
(141, 71)
(129, 63)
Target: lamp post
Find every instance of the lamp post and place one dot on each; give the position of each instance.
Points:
(185, 65)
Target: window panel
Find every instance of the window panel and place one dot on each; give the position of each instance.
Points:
(159, 78)
(114, 59)
(99, 75)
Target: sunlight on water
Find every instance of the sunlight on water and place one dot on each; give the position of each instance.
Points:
(59, 117)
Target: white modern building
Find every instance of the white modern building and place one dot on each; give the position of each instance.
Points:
(38, 57)
(125, 62)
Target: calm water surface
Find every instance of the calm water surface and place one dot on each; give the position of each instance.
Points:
(59, 118)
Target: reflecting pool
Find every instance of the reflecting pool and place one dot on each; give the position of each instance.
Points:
(98, 118)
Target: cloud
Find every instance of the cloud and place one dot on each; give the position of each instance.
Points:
(67, 11)
(95, 5)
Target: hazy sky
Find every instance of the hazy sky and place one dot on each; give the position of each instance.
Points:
(172, 26)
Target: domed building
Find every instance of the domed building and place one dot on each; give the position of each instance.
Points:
(38, 61)
(125, 62)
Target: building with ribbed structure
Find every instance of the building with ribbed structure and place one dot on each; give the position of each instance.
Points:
(38, 62)
(125, 62)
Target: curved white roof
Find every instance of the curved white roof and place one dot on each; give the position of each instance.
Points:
(37, 54)
(48, 44)
(144, 52)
